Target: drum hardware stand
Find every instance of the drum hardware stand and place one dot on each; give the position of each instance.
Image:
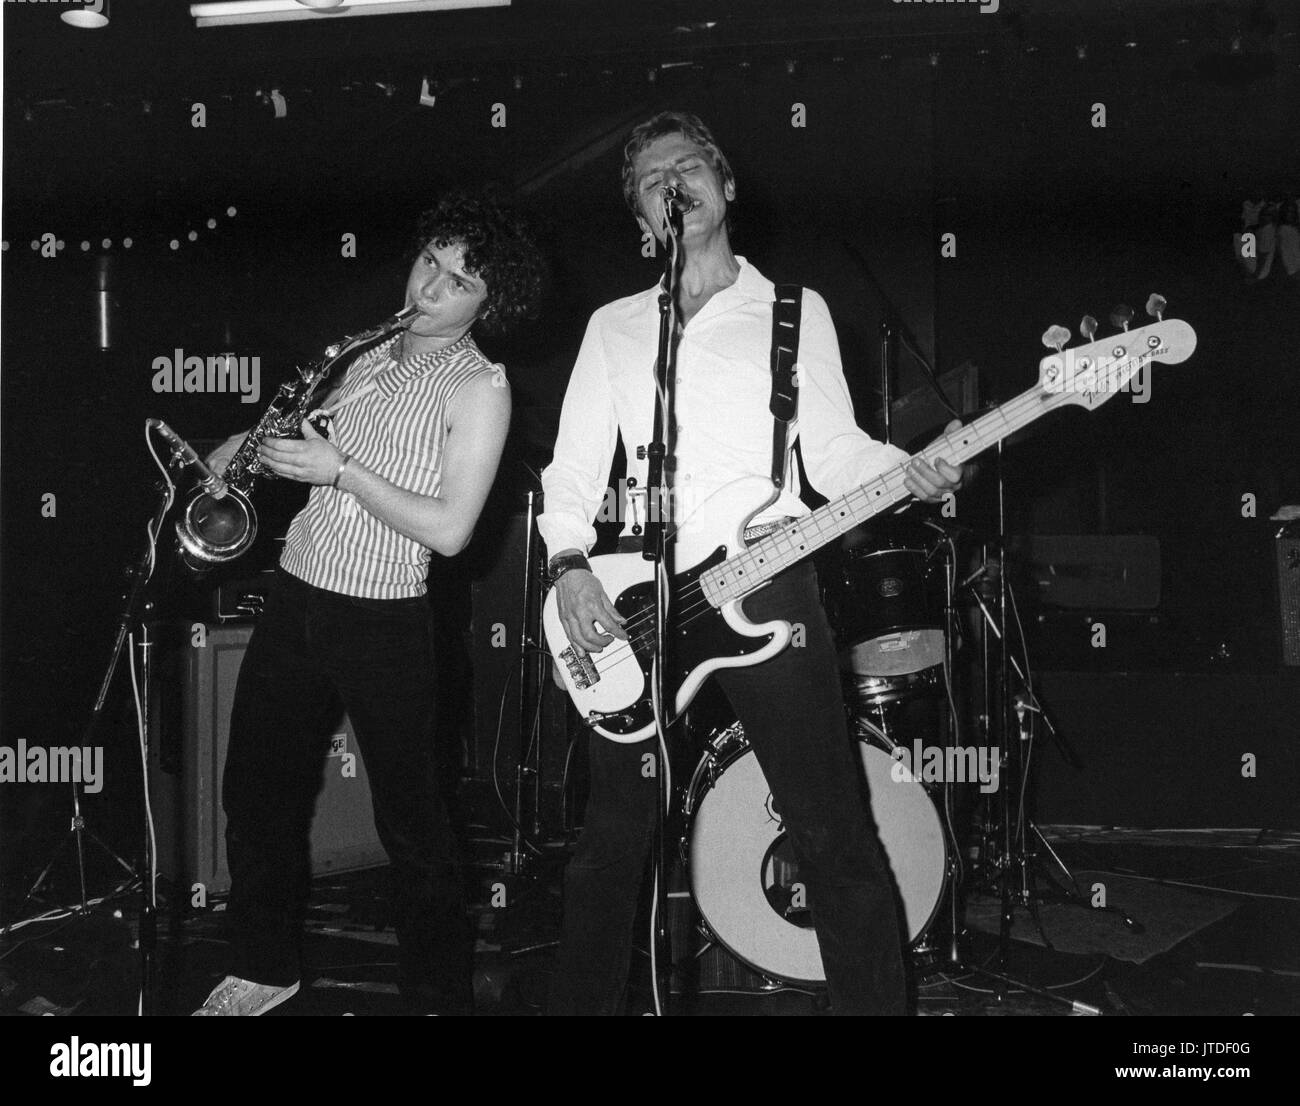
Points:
(956, 865)
(954, 959)
(1030, 891)
(1005, 849)
(1010, 857)
(1019, 856)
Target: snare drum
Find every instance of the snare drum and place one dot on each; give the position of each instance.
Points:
(869, 692)
(744, 876)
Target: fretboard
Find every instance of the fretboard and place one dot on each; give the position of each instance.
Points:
(741, 574)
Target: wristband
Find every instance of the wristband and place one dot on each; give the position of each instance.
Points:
(342, 465)
(562, 564)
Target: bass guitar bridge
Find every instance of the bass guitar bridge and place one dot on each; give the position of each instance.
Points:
(580, 668)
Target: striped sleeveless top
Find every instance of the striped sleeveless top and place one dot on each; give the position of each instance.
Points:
(397, 427)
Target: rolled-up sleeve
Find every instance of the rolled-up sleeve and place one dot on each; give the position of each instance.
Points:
(574, 482)
(837, 453)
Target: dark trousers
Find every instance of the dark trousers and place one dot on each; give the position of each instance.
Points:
(791, 708)
(311, 652)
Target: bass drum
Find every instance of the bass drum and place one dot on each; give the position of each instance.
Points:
(745, 879)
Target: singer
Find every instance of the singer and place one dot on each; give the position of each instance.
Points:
(790, 705)
(416, 430)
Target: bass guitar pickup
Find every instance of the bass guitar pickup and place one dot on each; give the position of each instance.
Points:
(580, 668)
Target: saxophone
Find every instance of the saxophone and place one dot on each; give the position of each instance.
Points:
(212, 530)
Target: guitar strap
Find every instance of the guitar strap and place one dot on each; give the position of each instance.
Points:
(786, 309)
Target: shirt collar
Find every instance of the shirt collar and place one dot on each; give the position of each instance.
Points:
(397, 374)
(749, 284)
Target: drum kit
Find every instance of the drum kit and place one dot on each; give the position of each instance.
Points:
(887, 602)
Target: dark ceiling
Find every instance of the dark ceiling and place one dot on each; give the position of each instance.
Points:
(152, 48)
(98, 123)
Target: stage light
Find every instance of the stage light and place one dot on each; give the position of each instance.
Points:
(228, 13)
(88, 18)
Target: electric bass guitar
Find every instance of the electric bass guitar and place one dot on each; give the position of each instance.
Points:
(612, 689)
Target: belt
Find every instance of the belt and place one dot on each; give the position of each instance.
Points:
(753, 533)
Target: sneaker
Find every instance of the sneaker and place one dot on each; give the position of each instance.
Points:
(235, 997)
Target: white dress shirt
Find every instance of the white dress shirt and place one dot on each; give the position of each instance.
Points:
(723, 385)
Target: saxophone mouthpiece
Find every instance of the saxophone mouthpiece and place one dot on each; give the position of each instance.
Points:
(390, 325)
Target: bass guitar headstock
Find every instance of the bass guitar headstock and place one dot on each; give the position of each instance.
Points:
(1092, 373)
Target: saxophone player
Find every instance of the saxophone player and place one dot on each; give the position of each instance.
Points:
(417, 428)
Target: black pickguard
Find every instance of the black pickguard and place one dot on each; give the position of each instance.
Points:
(700, 634)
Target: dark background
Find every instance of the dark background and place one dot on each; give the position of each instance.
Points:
(921, 120)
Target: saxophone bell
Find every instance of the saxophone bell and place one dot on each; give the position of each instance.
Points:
(214, 531)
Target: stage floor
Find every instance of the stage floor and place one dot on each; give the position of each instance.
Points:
(1217, 913)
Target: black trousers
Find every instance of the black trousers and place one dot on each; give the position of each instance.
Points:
(312, 652)
(791, 708)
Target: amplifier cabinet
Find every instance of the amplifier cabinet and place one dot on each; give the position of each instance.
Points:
(187, 756)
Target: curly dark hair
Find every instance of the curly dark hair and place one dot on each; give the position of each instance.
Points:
(499, 249)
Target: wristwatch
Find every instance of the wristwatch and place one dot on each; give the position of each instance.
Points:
(559, 565)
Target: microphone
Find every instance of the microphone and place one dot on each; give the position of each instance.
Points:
(209, 480)
(677, 200)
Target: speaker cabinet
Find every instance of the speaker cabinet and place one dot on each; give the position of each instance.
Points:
(188, 754)
(1177, 750)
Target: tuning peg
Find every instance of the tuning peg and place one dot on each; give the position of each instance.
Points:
(1156, 304)
(1121, 316)
(1088, 327)
(1055, 337)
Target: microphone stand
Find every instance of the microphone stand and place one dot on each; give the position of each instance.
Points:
(531, 687)
(893, 327)
(657, 550)
(136, 606)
